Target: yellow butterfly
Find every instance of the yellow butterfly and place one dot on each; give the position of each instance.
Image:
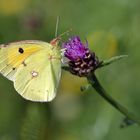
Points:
(33, 66)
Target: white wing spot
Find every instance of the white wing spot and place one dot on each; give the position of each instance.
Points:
(34, 74)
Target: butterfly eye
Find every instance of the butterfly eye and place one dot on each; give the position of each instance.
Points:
(21, 50)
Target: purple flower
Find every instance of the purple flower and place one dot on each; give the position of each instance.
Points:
(74, 48)
(81, 60)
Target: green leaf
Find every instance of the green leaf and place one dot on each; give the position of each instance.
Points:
(111, 60)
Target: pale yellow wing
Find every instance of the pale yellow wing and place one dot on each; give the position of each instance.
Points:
(39, 79)
(34, 67)
(12, 55)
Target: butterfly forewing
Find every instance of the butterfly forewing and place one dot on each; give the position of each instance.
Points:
(11, 56)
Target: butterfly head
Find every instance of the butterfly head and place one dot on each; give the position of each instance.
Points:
(56, 40)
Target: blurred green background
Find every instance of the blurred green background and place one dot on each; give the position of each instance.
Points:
(112, 27)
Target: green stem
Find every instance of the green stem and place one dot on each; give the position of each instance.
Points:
(97, 86)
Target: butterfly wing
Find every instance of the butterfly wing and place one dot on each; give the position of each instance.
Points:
(12, 55)
(37, 78)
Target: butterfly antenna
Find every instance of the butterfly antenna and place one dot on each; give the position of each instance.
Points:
(66, 32)
(57, 24)
(58, 38)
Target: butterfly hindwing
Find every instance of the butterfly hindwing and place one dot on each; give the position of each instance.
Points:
(39, 79)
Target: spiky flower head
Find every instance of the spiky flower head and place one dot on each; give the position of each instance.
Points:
(81, 60)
